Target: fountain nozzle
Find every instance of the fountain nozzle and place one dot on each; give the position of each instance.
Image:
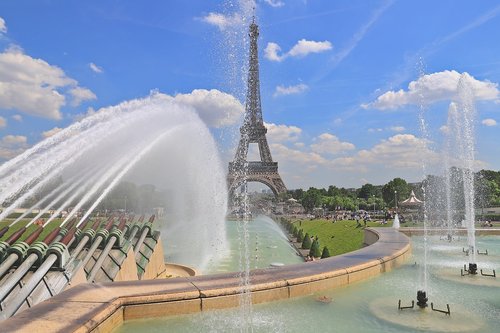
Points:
(472, 269)
(422, 299)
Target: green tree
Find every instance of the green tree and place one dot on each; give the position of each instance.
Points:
(396, 188)
(306, 242)
(315, 251)
(311, 199)
(297, 194)
(325, 253)
(300, 236)
(367, 191)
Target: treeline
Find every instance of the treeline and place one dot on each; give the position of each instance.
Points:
(124, 196)
(380, 197)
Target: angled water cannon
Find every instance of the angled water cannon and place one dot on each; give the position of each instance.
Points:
(64, 230)
(96, 239)
(4, 230)
(83, 237)
(15, 254)
(146, 230)
(34, 256)
(55, 257)
(135, 228)
(115, 239)
(5, 245)
(128, 226)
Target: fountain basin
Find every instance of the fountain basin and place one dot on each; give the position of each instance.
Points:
(102, 307)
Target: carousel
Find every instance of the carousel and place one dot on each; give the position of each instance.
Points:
(411, 208)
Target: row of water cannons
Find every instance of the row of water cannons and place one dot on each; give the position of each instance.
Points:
(58, 249)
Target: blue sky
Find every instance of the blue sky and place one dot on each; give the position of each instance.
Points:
(341, 81)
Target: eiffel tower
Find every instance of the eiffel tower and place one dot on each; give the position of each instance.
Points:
(253, 130)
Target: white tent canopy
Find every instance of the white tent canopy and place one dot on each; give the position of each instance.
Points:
(412, 200)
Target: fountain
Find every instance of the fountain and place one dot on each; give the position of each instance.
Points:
(145, 140)
(372, 304)
(157, 126)
(395, 223)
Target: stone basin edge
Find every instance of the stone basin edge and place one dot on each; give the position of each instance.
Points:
(103, 307)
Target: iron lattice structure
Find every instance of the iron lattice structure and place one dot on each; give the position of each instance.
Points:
(253, 130)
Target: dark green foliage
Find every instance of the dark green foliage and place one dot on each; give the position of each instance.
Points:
(295, 231)
(315, 251)
(325, 253)
(306, 242)
(311, 199)
(300, 236)
(398, 185)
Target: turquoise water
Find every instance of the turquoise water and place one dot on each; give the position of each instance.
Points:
(267, 244)
(371, 305)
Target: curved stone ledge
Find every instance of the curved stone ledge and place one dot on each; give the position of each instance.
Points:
(102, 307)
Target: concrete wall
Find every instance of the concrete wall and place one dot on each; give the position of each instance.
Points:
(101, 307)
(156, 265)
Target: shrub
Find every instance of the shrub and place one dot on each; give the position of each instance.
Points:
(300, 236)
(306, 242)
(491, 217)
(295, 231)
(325, 253)
(315, 251)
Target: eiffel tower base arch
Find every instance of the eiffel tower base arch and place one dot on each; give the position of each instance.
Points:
(273, 181)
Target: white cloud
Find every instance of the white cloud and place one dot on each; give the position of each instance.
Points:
(374, 130)
(290, 90)
(400, 151)
(304, 47)
(35, 87)
(80, 94)
(17, 117)
(222, 21)
(215, 108)
(3, 26)
(3, 122)
(282, 133)
(275, 3)
(299, 144)
(433, 88)
(14, 140)
(12, 145)
(271, 52)
(95, 68)
(444, 129)
(284, 153)
(51, 132)
(327, 143)
(301, 49)
(489, 122)
(397, 128)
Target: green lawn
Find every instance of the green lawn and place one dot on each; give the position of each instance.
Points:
(31, 228)
(340, 237)
(55, 223)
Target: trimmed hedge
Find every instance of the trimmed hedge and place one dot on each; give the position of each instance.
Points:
(325, 253)
(315, 251)
(300, 236)
(306, 243)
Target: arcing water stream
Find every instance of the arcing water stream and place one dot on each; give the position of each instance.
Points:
(154, 140)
